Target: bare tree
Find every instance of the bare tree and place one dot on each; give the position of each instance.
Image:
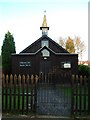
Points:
(79, 46)
(74, 45)
(62, 42)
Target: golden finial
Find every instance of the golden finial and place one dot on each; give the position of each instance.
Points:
(44, 20)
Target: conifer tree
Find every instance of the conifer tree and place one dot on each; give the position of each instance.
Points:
(8, 48)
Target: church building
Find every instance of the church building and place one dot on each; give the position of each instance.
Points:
(43, 56)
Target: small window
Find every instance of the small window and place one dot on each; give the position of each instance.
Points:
(45, 53)
(65, 64)
(24, 64)
(44, 31)
(44, 43)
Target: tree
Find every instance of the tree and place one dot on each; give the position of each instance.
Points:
(73, 45)
(80, 46)
(62, 42)
(70, 45)
(8, 47)
(84, 70)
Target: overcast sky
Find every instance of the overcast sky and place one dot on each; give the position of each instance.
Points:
(24, 19)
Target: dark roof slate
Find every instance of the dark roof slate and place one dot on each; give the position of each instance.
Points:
(41, 38)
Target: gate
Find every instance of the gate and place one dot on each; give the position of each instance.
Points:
(54, 94)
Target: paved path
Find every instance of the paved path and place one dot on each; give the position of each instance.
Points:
(53, 101)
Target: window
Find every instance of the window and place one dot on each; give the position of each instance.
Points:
(65, 64)
(44, 43)
(45, 53)
(24, 64)
(44, 31)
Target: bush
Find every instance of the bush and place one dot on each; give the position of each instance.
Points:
(84, 70)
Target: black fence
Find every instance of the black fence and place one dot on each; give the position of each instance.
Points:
(46, 94)
(80, 95)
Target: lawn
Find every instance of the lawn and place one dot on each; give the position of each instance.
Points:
(15, 99)
(79, 94)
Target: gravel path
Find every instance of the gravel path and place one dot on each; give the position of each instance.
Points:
(53, 100)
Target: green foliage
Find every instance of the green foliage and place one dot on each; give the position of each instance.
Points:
(8, 47)
(84, 70)
(70, 45)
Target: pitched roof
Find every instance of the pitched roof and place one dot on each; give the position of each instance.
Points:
(41, 49)
(41, 38)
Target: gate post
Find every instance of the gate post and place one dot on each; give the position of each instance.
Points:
(89, 95)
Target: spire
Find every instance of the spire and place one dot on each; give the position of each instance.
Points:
(44, 20)
(44, 27)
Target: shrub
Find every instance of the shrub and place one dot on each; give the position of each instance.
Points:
(83, 70)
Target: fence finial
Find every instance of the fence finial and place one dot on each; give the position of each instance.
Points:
(11, 78)
(36, 78)
(15, 78)
(27, 78)
(7, 77)
(19, 79)
(73, 77)
(81, 79)
(23, 78)
(32, 79)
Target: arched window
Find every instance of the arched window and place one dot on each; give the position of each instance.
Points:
(45, 53)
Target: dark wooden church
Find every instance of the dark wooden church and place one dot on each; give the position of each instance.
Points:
(43, 56)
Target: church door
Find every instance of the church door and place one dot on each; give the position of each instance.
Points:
(45, 67)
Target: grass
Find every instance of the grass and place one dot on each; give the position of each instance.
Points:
(16, 102)
(80, 99)
(14, 99)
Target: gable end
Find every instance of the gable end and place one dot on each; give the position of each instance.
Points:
(34, 47)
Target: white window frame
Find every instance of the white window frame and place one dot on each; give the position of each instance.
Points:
(66, 64)
(45, 53)
(44, 43)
